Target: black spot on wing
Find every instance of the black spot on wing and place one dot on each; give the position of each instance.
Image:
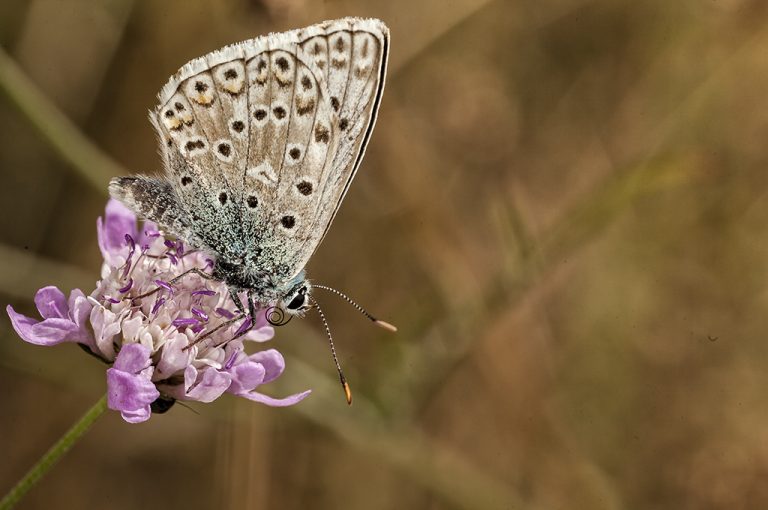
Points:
(304, 108)
(225, 149)
(282, 63)
(322, 134)
(195, 144)
(288, 221)
(305, 188)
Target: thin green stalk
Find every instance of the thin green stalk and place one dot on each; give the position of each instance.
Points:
(53, 455)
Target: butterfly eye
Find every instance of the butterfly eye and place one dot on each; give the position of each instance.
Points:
(297, 302)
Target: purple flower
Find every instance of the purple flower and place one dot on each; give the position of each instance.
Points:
(111, 232)
(248, 372)
(150, 341)
(64, 320)
(129, 383)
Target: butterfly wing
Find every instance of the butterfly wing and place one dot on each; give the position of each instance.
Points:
(354, 67)
(201, 121)
(348, 60)
(261, 139)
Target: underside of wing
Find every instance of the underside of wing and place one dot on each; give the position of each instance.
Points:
(351, 56)
(201, 124)
(262, 138)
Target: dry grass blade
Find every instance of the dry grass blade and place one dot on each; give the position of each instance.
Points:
(62, 134)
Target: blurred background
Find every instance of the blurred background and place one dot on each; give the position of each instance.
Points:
(563, 208)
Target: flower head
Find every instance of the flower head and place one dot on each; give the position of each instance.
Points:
(145, 327)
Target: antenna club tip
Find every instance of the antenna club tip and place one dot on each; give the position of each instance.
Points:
(347, 392)
(385, 325)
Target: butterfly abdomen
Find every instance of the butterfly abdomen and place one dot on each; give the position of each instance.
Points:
(155, 200)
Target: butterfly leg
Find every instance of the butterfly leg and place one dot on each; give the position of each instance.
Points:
(177, 279)
(236, 299)
(214, 330)
(199, 272)
(251, 317)
(251, 307)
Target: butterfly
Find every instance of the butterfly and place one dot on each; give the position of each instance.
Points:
(260, 141)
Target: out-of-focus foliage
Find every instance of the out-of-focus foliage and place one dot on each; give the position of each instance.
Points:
(563, 208)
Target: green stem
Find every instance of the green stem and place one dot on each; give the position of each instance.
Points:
(53, 455)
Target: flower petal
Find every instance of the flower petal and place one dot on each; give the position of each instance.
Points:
(149, 226)
(23, 325)
(206, 385)
(246, 377)
(131, 328)
(275, 402)
(132, 358)
(273, 363)
(119, 220)
(53, 331)
(79, 311)
(106, 324)
(173, 358)
(51, 303)
(129, 392)
(261, 320)
(262, 334)
(137, 416)
(47, 332)
(129, 385)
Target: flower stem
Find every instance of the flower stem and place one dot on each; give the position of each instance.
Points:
(53, 455)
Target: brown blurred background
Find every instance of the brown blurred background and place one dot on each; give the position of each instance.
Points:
(563, 208)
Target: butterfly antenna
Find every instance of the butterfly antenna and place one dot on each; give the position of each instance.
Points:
(344, 384)
(378, 322)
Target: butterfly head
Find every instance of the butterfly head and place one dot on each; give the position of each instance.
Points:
(296, 301)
